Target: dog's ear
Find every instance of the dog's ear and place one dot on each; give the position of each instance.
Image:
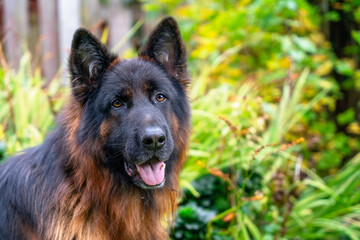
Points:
(166, 47)
(89, 59)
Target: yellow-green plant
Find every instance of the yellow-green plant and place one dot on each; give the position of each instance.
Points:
(28, 107)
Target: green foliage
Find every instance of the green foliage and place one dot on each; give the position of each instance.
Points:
(330, 207)
(27, 109)
(241, 143)
(193, 217)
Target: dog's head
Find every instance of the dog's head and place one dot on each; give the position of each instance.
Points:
(137, 109)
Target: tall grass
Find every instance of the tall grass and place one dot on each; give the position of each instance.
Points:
(28, 107)
(329, 208)
(236, 135)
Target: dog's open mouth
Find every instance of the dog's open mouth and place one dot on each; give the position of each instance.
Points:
(152, 172)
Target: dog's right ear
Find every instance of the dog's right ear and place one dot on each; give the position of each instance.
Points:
(89, 59)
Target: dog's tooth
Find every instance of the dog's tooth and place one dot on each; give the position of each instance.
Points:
(163, 166)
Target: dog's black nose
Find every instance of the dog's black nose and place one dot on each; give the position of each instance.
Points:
(153, 138)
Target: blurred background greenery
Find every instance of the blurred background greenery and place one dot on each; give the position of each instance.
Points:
(275, 115)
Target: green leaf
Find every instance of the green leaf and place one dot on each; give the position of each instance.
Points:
(346, 117)
(356, 36)
(332, 16)
(253, 229)
(344, 68)
(305, 44)
(333, 226)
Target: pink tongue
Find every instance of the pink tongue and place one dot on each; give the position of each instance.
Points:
(152, 173)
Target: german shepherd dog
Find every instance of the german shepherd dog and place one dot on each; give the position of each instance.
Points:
(110, 168)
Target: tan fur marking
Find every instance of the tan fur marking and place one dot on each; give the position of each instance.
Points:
(147, 58)
(175, 124)
(105, 129)
(30, 233)
(116, 60)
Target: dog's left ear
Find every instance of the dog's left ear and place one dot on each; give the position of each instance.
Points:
(165, 45)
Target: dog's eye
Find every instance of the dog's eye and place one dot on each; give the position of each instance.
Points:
(116, 103)
(160, 97)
